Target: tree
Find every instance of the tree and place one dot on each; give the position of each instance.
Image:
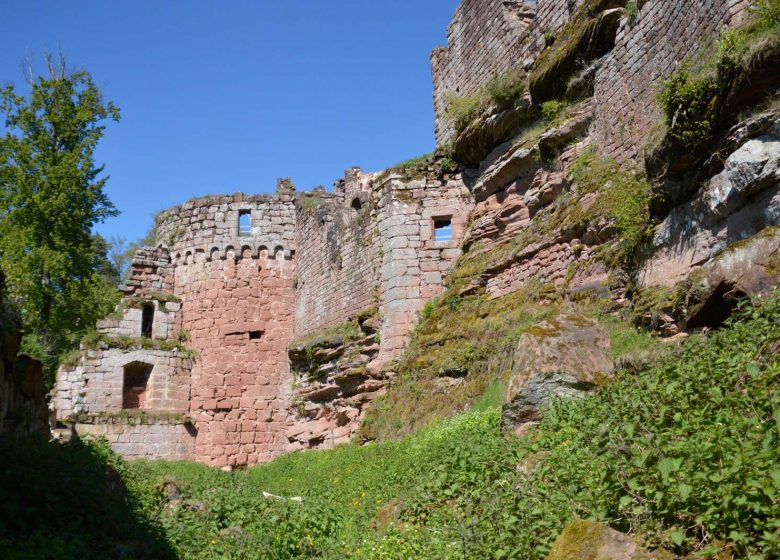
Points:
(51, 196)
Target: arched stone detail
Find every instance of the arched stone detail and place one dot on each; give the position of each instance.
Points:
(135, 384)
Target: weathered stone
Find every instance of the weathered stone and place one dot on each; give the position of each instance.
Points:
(568, 356)
(589, 540)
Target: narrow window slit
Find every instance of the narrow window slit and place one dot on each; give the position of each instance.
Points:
(244, 222)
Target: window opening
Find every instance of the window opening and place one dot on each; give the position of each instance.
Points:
(442, 229)
(147, 320)
(356, 205)
(255, 335)
(244, 222)
(135, 384)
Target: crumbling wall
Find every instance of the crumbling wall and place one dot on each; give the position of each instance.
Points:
(487, 38)
(151, 271)
(22, 388)
(647, 50)
(96, 383)
(337, 262)
(143, 437)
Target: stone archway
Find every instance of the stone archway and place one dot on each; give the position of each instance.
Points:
(135, 385)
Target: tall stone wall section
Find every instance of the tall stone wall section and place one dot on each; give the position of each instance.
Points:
(487, 38)
(664, 34)
(237, 295)
(337, 262)
(414, 263)
(370, 244)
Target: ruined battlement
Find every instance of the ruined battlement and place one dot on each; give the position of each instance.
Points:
(214, 226)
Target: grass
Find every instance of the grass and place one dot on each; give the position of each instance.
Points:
(682, 455)
(502, 90)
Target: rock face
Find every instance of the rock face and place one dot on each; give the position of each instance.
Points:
(336, 379)
(588, 540)
(736, 203)
(567, 356)
(750, 268)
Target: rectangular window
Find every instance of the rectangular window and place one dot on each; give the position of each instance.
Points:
(244, 222)
(255, 335)
(442, 229)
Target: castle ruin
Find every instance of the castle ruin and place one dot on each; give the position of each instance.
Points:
(264, 324)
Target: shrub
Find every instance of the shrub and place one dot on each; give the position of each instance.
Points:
(688, 105)
(551, 110)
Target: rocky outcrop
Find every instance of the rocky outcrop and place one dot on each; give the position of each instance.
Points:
(589, 540)
(495, 126)
(747, 268)
(733, 205)
(568, 356)
(589, 34)
(335, 378)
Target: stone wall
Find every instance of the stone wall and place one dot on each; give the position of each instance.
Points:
(664, 34)
(169, 438)
(487, 38)
(22, 386)
(151, 272)
(209, 226)
(414, 263)
(96, 383)
(337, 262)
(238, 309)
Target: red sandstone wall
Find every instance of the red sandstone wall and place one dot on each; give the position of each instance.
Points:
(337, 261)
(489, 37)
(664, 34)
(240, 386)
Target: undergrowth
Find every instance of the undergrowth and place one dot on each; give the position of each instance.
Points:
(683, 455)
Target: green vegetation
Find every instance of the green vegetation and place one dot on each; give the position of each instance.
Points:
(469, 339)
(684, 455)
(551, 110)
(51, 196)
(95, 340)
(69, 502)
(501, 90)
(692, 101)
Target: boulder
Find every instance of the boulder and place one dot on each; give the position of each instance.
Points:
(588, 540)
(568, 355)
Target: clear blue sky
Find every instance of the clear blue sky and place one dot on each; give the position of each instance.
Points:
(226, 96)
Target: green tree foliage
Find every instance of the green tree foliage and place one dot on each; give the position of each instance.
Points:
(51, 196)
